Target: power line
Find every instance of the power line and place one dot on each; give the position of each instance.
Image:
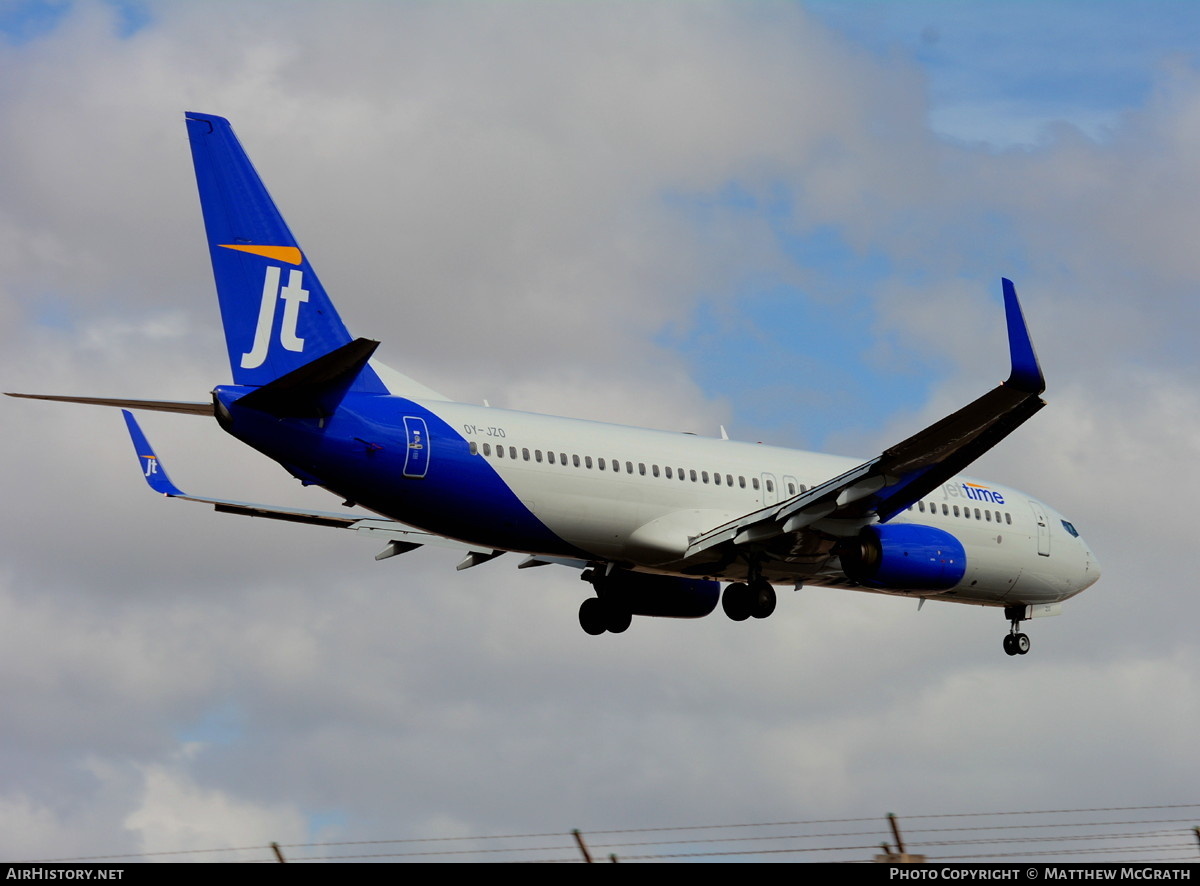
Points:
(747, 839)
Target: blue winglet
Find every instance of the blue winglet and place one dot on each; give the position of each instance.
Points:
(1026, 372)
(154, 472)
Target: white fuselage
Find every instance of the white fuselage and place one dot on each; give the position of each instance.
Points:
(638, 497)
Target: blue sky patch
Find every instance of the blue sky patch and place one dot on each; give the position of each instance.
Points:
(27, 20)
(221, 724)
(1001, 72)
(799, 362)
(24, 21)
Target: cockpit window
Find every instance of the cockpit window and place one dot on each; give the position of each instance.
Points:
(1070, 529)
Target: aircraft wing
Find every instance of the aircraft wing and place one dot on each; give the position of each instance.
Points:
(400, 538)
(885, 486)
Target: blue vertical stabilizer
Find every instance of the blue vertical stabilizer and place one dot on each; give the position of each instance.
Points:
(276, 313)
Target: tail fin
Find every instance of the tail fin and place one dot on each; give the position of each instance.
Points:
(276, 313)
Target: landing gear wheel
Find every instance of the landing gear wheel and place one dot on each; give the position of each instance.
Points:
(617, 618)
(1021, 643)
(597, 616)
(762, 598)
(737, 601)
(593, 617)
(1010, 644)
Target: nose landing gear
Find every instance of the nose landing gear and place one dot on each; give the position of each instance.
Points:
(1015, 643)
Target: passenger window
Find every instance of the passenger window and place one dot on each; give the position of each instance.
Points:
(945, 510)
(956, 510)
(921, 506)
(791, 489)
(1008, 518)
(525, 454)
(587, 460)
(729, 479)
(770, 486)
(754, 481)
(977, 513)
(550, 457)
(988, 515)
(575, 459)
(499, 452)
(474, 448)
(600, 463)
(654, 470)
(716, 479)
(512, 452)
(741, 481)
(628, 467)
(487, 448)
(693, 475)
(642, 468)
(670, 476)
(537, 456)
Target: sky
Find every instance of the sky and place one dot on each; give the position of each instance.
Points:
(789, 219)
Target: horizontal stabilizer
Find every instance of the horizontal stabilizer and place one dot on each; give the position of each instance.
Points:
(180, 406)
(315, 389)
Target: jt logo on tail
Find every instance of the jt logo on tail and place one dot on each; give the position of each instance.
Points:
(293, 296)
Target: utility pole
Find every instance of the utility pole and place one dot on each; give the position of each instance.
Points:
(899, 856)
(587, 856)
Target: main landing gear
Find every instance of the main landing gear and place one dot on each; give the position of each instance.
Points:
(1016, 643)
(606, 611)
(742, 600)
(597, 615)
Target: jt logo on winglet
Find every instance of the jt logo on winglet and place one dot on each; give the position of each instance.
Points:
(293, 295)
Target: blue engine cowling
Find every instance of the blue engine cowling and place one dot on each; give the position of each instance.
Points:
(905, 557)
(664, 596)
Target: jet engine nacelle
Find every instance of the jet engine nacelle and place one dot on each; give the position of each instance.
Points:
(664, 596)
(905, 557)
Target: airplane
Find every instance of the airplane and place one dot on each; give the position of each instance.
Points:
(654, 520)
